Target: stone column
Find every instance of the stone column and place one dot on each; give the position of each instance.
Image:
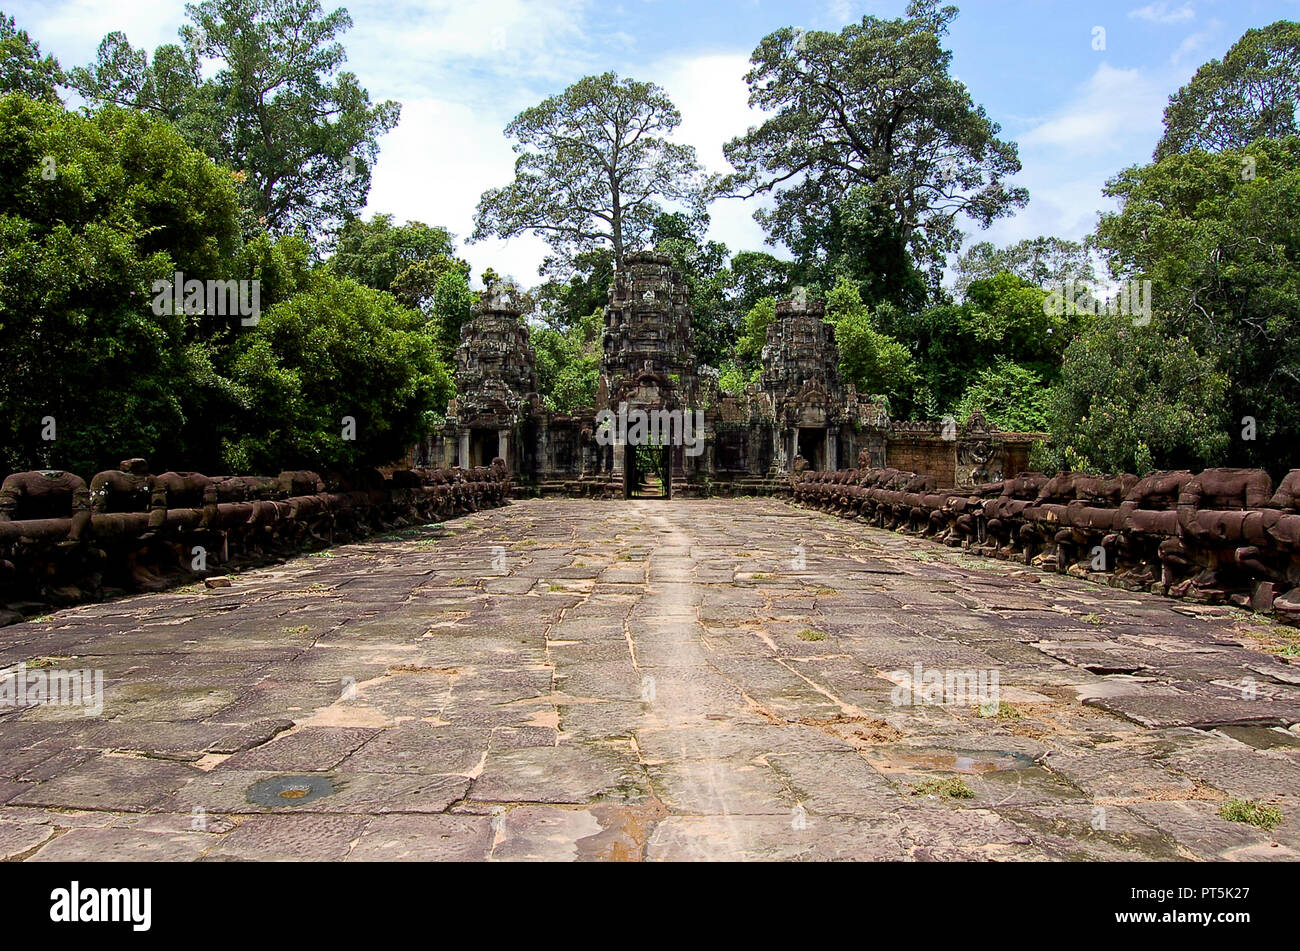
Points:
(503, 445)
(832, 442)
(463, 459)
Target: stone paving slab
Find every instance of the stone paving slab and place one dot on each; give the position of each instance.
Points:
(727, 679)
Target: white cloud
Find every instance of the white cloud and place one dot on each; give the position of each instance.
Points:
(1196, 42)
(444, 154)
(472, 50)
(434, 166)
(1114, 120)
(839, 11)
(711, 93)
(1115, 109)
(72, 29)
(1161, 13)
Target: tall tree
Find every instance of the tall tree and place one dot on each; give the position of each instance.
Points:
(278, 109)
(22, 67)
(169, 86)
(870, 114)
(1252, 93)
(594, 164)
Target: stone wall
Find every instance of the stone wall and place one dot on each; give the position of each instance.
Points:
(63, 541)
(1222, 535)
(954, 455)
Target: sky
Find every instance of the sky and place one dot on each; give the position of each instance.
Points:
(463, 68)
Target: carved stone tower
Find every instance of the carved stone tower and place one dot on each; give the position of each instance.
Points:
(496, 384)
(801, 374)
(648, 357)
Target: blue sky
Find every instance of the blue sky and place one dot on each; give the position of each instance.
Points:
(463, 68)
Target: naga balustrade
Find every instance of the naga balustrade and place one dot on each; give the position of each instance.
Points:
(1222, 535)
(62, 541)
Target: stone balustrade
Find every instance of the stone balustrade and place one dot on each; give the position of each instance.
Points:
(1219, 536)
(62, 541)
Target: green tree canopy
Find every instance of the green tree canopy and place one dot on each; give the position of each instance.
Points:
(595, 162)
(336, 349)
(568, 363)
(1042, 261)
(1002, 317)
(1216, 236)
(92, 212)
(22, 67)
(278, 108)
(869, 126)
(1252, 93)
(563, 302)
(1011, 397)
(376, 252)
(1133, 399)
(875, 363)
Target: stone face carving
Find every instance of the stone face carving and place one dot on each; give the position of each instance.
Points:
(1222, 535)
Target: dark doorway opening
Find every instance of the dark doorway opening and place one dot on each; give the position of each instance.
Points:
(812, 446)
(483, 447)
(647, 472)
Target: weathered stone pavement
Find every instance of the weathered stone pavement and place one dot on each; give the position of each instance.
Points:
(648, 680)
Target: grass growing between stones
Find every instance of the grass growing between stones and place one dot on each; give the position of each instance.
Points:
(1279, 639)
(954, 788)
(808, 634)
(1251, 812)
(999, 711)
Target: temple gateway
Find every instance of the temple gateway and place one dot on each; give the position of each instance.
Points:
(799, 415)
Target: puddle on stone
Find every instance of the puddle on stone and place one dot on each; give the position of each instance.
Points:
(1261, 737)
(289, 790)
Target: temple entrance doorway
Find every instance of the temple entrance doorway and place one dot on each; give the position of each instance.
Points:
(812, 446)
(647, 472)
(483, 447)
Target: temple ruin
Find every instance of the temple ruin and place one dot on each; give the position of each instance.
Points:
(800, 414)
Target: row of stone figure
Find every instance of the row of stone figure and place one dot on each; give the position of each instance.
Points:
(63, 541)
(1221, 535)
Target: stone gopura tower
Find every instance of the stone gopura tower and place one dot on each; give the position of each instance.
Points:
(496, 387)
(801, 376)
(648, 362)
(647, 336)
(799, 412)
